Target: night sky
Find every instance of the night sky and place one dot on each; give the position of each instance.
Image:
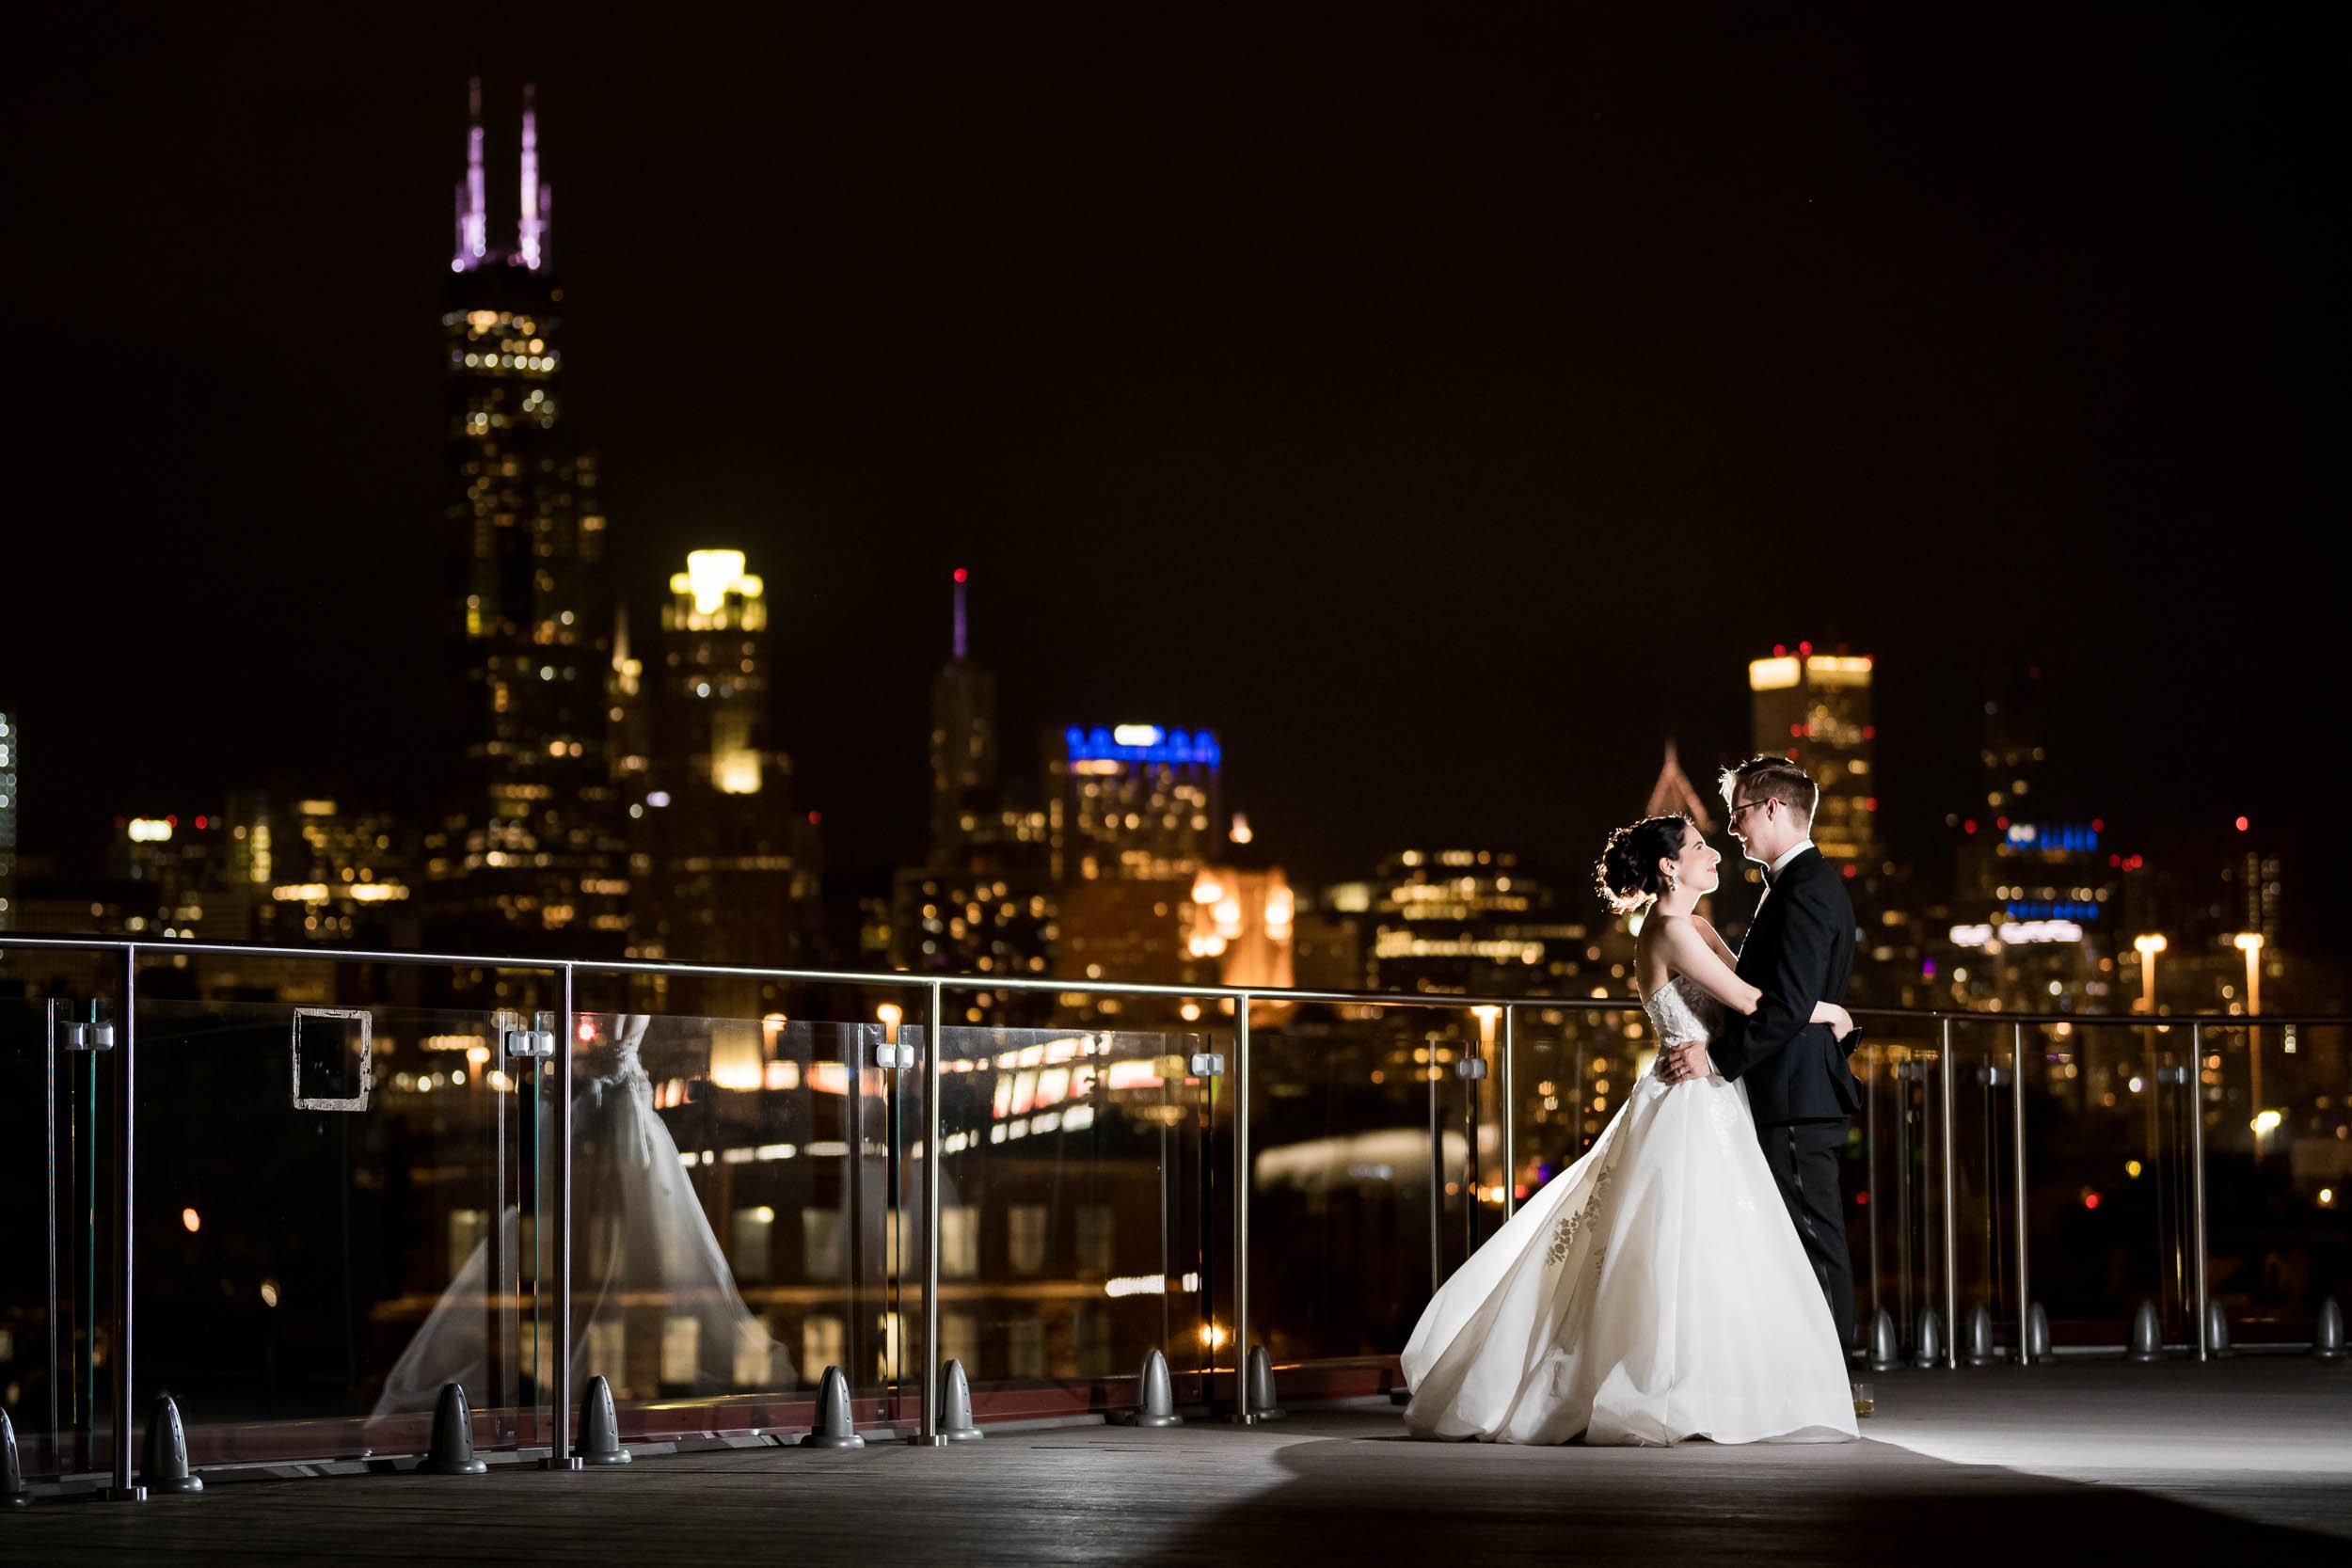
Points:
(1440, 402)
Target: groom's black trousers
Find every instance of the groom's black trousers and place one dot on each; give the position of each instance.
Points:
(1803, 1157)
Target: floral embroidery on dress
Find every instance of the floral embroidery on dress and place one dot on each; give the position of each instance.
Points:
(1564, 1233)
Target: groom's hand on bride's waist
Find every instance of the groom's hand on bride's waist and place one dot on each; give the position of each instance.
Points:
(1683, 1062)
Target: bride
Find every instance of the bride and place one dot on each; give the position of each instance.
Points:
(1654, 1290)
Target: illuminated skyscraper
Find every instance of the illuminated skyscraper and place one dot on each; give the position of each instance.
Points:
(1476, 920)
(727, 866)
(532, 848)
(1815, 707)
(2256, 872)
(2034, 905)
(629, 715)
(982, 902)
(1674, 793)
(712, 707)
(8, 820)
(316, 870)
(1245, 921)
(964, 798)
(183, 858)
(1134, 802)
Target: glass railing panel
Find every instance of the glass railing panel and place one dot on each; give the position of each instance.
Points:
(32, 1384)
(56, 1293)
(735, 1231)
(2164, 1062)
(339, 1213)
(1572, 1070)
(2099, 1172)
(1982, 1197)
(1071, 1233)
(1892, 1184)
(1366, 1192)
(2278, 1107)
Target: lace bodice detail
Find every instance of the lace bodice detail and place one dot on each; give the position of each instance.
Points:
(1682, 1011)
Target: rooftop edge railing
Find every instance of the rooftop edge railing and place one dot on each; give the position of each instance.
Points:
(931, 993)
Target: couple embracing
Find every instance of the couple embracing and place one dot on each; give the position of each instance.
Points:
(1687, 1276)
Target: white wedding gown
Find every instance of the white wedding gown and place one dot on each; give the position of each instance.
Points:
(1654, 1291)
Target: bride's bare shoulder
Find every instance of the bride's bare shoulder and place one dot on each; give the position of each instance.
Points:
(1668, 930)
(1658, 931)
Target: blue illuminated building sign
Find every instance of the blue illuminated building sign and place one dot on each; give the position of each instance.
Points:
(2019, 908)
(1143, 743)
(2053, 837)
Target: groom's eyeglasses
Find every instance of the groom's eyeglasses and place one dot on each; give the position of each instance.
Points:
(1747, 805)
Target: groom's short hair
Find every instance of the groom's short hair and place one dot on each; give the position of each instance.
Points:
(1774, 778)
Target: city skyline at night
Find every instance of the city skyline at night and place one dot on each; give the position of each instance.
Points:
(589, 798)
(1288, 629)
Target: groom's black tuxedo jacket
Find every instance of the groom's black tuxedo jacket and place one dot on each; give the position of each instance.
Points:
(1799, 951)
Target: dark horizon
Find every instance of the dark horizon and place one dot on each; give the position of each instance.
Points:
(1410, 399)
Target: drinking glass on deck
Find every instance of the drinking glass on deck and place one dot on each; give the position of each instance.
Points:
(1865, 1403)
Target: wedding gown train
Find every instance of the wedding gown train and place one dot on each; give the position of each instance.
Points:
(1654, 1291)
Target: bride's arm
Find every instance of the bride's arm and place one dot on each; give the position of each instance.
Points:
(1689, 953)
(1695, 950)
(1720, 948)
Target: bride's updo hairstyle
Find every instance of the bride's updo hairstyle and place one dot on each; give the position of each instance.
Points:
(1627, 871)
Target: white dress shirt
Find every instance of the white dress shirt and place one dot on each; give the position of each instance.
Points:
(1786, 855)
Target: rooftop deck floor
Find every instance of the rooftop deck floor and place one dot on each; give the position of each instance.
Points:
(2244, 1460)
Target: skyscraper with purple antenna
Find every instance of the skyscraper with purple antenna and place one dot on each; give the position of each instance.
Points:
(531, 843)
(964, 794)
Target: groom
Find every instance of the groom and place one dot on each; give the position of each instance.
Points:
(1799, 951)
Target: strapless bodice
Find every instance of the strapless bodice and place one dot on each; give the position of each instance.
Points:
(1681, 1011)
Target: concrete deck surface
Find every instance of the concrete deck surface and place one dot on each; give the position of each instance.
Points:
(2245, 1460)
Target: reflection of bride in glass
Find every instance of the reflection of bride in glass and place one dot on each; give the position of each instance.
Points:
(645, 1265)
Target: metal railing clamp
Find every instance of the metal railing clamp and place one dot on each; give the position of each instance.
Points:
(529, 1044)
